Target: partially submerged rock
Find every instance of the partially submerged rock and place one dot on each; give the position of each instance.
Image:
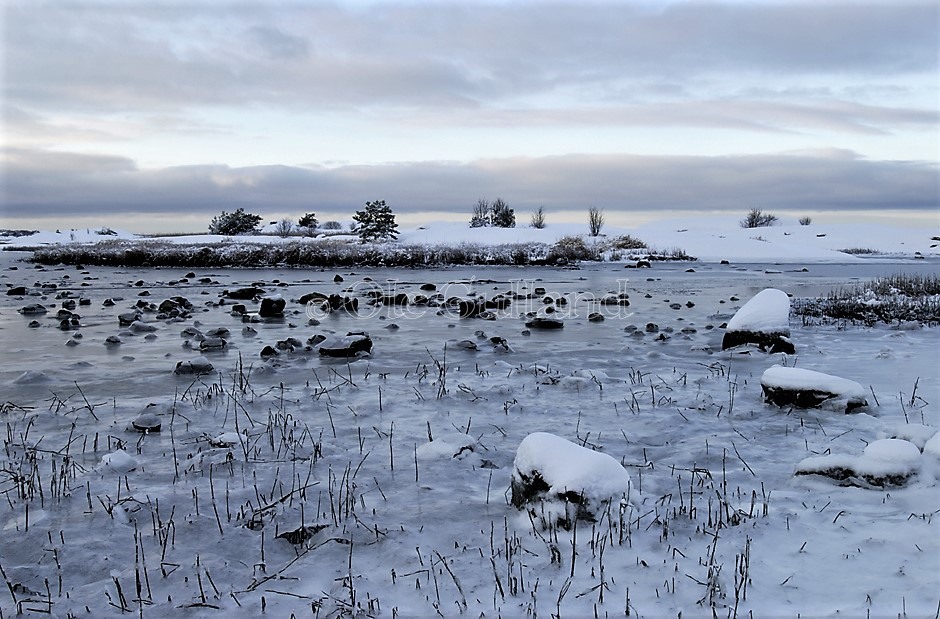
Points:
(198, 365)
(271, 307)
(355, 344)
(559, 481)
(889, 462)
(785, 386)
(764, 321)
(542, 322)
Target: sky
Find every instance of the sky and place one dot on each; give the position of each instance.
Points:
(155, 116)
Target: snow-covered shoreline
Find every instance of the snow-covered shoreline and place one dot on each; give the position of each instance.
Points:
(707, 239)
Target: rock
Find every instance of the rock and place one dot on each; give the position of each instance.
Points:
(269, 351)
(272, 307)
(113, 340)
(884, 463)
(146, 422)
(17, 291)
(787, 386)
(316, 339)
(394, 299)
(764, 321)
(354, 344)
(545, 323)
(197, 366)
(652, 327)
(218, 332)
(428, 287)
(142, 327)
(128, 318)
(338, 278)
(467, 345)
(290, 344)
(559, 482)
(212, 344)
(34, 324)
(33, 309)
(595, 317)
(344, 303)
(470, 308)
(243, 294)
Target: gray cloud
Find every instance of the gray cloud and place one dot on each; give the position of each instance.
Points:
(40, 183)
(112, 57)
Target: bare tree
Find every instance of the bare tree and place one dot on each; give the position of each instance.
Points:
(805, 221)
(538, 218)
(284, 227)
(595, 220)
(757, 218)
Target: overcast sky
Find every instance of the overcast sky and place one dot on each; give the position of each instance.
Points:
(175, 111)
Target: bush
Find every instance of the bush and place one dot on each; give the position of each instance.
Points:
(230, 224)
(538, 218)
(625, 242)
(805, 221)
(332, 225)
(595, 220)
(284, 227)
(501, 215)
(481, 214)
(376, 222)
(309, 221)
(571, 249)
(757, 218)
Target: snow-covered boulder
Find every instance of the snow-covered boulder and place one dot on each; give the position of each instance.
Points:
(559, 481)
(884, 463)
(786, 386)
(764, 320)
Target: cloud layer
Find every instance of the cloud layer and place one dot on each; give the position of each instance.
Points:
(55, 184)
(168, 107)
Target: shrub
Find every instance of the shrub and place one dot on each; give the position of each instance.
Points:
(805, 221)
(625, 241)
(230, 224)
(481, 214)
(595, 220)
(309, 221)
(376, 222)
(570, 249)
(284, 227)
(756, 218)
(501, 215)
(538, 218)
(332, 225)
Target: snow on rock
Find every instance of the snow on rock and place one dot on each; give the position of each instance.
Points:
(31, 377)
(560, 481)
(916, 433)
(764, 320)
(884, 463)
(786, 386)
(119, 462)
(447, 444)
(932, 447)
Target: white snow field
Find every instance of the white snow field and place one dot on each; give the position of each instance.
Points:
(379, 485)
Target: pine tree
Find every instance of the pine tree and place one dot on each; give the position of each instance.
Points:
(376, 222)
